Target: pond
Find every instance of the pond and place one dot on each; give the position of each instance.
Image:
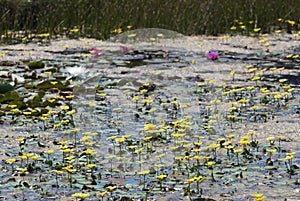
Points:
(146, 116)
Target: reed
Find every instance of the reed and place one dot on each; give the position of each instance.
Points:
(98, 18)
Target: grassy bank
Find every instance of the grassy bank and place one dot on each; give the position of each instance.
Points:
(99, 18)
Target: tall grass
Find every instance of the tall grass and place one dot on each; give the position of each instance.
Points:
(98, 18)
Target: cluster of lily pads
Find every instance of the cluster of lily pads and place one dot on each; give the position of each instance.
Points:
(146, 143)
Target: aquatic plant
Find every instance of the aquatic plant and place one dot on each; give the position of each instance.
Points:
(212, 55)
(184, 136)
(125, 49)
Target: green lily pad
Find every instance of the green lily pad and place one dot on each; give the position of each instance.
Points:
(5, 87)
(34, 100)
(49, 84)
(36, 65)
(9, 96)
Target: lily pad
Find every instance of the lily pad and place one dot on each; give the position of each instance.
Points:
(36, 65)
(9, 96)
(49, 84)
(5, 87)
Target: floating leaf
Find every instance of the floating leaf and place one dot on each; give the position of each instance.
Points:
(5, 87)
(36, 65)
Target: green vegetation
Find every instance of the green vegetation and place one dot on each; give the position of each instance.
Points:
(176, 127)
(100, 18)
(186, 137)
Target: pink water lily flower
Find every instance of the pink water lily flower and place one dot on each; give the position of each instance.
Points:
(95, 51)
(124, 49)
(212, 55)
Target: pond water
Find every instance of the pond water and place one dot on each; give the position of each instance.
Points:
(152, 121)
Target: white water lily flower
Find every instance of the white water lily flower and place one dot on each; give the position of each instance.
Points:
(17, 79)
(77, 71)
